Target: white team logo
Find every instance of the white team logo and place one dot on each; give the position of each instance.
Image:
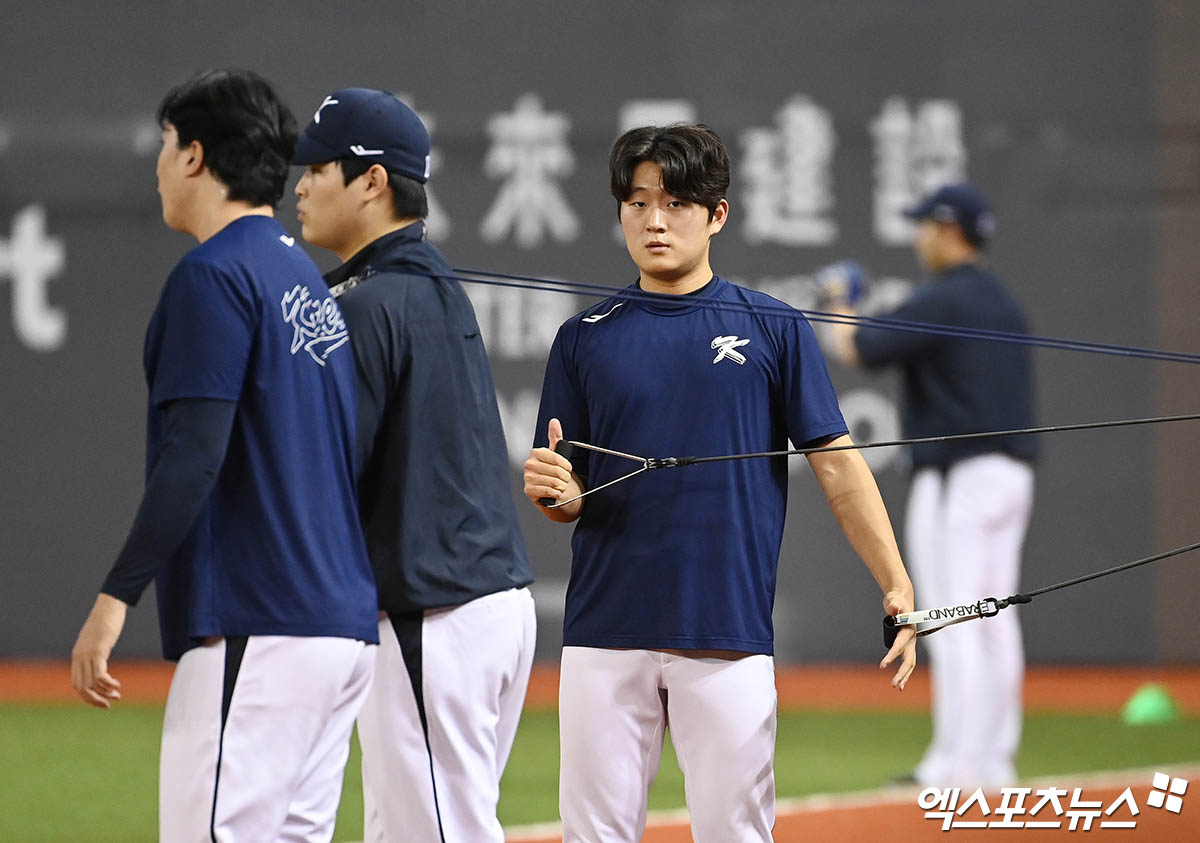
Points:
(328, 101)
(359, 150)
(596, 317)
(318, 324)
(727, 346)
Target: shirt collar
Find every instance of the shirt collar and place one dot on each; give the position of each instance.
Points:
(360, 265)
(674, 304)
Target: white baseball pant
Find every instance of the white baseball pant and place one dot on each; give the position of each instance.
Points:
(614, 706)
(965, 529)
(255, 738)
(439, 722)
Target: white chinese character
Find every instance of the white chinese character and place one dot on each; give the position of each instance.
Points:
(787, 173)
(636, 113)
(529, 150)
(914, 154)
(31, 259)
(437, 222)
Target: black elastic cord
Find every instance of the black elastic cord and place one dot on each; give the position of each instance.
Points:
(993, 606)
(679, 462)
(565, 447)
(529, 282)
(1029, 595)
(674, 461)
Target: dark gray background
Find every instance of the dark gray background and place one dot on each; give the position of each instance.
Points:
(1064, 117)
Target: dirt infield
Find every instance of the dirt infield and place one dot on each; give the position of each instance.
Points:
(1047, 688)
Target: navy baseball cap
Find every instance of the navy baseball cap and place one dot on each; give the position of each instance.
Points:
(369, 125)
(960, 204)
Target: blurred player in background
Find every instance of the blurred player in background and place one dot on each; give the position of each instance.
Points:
(248, 521)
(970, 500)
(668, 613)
(457, 621)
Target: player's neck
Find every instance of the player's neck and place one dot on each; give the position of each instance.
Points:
(689, 282)
(952, 254)
(947, 266)
(368, 234)
(205, 223)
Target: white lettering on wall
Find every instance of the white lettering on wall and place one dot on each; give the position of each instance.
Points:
(29, 259)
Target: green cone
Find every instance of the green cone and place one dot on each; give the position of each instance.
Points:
(1151, 703)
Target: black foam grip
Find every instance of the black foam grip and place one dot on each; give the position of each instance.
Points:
(890, 631)
(567, 451)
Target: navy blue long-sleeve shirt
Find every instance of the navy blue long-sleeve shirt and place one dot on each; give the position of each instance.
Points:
(954, 384)
(196, 434)
(435, 495)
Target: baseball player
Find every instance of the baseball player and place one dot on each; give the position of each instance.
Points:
(457, 621)
(248, 524)
(668, 613)
(970, 501)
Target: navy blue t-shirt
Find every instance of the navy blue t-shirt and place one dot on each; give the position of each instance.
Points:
(277, 549)
(683, 557)
(956, 385)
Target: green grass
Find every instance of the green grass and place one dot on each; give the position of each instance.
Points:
(68, 773)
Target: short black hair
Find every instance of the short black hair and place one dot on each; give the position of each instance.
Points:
(693, 160)
(408, 195)
(247, 132)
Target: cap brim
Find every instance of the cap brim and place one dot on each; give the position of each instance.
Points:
(311, 151)
(919, 211)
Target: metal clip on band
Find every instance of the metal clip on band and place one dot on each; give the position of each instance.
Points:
(668, 462)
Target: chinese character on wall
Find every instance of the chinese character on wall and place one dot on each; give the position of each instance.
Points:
(529, 152)
(787, 176)
(914, 154)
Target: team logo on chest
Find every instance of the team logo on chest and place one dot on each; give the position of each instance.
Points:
(727, 346)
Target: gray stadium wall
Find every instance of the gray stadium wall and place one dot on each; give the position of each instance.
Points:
(1079, 121)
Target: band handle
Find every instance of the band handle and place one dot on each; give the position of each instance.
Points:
(890, 631)
(988, 607)
(566, 450)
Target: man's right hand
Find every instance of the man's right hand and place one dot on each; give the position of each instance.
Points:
(548, 475)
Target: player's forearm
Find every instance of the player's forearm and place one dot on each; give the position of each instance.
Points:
(844, 347)
(855, 501)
